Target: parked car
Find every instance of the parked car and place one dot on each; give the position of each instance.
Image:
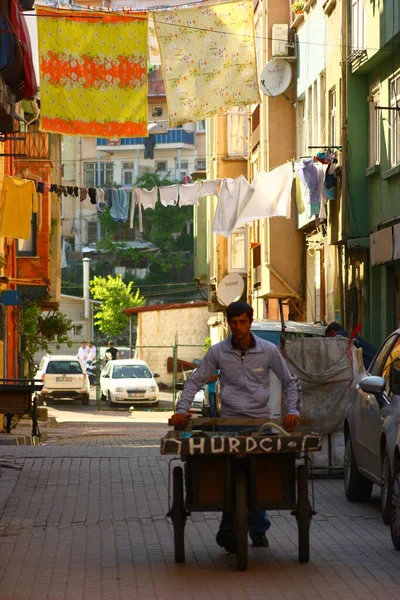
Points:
(372, 434)
(200, 401)
(128, 381)
(63, 377)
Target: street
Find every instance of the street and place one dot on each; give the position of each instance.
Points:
(84, 519)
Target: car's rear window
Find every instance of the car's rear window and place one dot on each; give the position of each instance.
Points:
(64, 367)
(131, 372)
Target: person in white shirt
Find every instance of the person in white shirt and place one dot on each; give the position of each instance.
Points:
(83, 354)
(92, 353)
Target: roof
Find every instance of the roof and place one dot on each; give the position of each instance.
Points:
(154, 307)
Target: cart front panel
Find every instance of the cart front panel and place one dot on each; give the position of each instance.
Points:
(208, 483)
(272, 482)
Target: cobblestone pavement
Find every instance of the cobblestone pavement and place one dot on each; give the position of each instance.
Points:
(84, 519)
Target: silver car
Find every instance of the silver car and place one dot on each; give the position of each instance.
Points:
(372, 434)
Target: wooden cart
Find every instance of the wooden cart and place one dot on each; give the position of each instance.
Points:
(18, 397)
(238, 473)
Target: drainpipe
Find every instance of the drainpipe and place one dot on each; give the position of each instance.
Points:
(86, 276)
(137, 163)
(179, 165)
(343, 277)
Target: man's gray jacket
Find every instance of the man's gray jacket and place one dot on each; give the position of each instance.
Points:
(244, 382)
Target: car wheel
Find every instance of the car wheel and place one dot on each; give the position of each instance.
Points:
(85, 400)
(103, 397)
(155, 404)
(110, 402)
(386, 489)
(356, 487)
(395, 508)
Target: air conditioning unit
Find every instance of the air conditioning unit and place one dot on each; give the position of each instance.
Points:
(280, 39)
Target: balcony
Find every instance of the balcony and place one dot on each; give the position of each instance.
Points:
(175, 138)
(35, 146)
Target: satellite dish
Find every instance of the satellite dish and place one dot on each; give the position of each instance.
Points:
(275, 77)
(230, 289)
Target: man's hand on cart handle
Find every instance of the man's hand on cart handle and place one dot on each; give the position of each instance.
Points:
(290, 421)
(179, 420)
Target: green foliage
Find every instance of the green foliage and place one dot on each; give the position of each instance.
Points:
(207, 344)
(39, 330)
(298, 6)
(164, 227)
(115, 296)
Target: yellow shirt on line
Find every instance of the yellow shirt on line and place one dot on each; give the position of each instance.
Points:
(18, 201)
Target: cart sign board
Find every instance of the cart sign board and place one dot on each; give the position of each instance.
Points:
(10, 298)
(240, 445)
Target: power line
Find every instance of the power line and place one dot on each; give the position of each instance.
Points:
(204, 29)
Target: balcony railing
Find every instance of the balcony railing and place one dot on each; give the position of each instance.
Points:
(174, 136)
(36, 145)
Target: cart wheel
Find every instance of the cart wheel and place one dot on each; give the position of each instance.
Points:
(178, 515)
(241, 521)
(303, 514)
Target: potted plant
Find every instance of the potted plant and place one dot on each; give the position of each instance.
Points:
(297, 7)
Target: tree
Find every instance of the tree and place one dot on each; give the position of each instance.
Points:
(115, 296)
(38, 330)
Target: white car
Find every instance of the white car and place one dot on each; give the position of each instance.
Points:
(128, 381)
(63, 377)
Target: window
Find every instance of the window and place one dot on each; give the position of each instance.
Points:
(237, 132)
(28, 247)
(374, 127)
(184, 169)
(127, 173)
(358, 26)
(237, 251)
(106, 174)
(395, 121)
(161, 165)
(200, 164)
(332, 117)
(77, 330)
(157, 111)
(92, 232)
(201, 126)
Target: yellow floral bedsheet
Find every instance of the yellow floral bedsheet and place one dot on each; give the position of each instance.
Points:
(93, 72)
(209, 59)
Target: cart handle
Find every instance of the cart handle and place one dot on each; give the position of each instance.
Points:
(268, 424)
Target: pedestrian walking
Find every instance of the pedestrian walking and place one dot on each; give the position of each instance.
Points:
(83, 354)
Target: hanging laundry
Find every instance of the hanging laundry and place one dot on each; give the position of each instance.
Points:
(321, 168)
(308, 174)
(330, 181)
(124, 204)
(169, 195)
(100, 203)
(189, 194)
(147, 198)
(132, 213)
(93, 68)
(149, 145)
(272, 195)
(18, 201)
(114, 205)
(234, 196)
(154, 50)
(83, 194)
(209, 188)
(209, 59)
(92, 195)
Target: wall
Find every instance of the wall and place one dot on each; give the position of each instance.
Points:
(158, 329)
(311, 49)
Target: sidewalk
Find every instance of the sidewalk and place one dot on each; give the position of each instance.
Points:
(86, 521)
